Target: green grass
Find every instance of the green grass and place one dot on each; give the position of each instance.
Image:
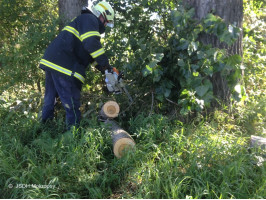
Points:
(207, 158)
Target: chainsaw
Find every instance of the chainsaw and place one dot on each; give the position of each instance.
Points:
(114, 82)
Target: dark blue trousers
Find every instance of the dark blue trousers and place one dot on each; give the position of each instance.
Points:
(68, 89)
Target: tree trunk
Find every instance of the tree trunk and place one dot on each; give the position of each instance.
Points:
(232, 12)
(69, 9)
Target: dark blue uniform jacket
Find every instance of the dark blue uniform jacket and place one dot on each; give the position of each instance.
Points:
(76, 46)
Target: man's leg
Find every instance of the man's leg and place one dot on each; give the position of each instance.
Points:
(69, 90)
(49, 98)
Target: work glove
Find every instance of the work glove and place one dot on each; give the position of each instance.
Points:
(111, 79)
(101, 68)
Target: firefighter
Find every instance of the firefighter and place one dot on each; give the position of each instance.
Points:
(67, 57)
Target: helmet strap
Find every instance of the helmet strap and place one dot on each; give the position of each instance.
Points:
(105, 18)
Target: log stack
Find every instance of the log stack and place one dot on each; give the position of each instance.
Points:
(122, 141)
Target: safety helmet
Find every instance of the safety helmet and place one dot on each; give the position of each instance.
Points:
(106, 10)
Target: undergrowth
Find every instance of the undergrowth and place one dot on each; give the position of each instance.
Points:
(207, 158)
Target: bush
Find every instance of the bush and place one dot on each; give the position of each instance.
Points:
(22, 48)
(164, 57)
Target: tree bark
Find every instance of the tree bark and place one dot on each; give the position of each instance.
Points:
(122, 141)
(69, 9)
(232, 12)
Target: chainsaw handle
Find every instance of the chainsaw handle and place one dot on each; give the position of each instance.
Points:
(121, 75)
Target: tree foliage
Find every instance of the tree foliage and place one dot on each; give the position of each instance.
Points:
(206, 158)
(160, 51)
(27, 27)
(154, 42)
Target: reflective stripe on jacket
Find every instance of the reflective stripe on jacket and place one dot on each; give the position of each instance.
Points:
(62, 70)
(76, 46)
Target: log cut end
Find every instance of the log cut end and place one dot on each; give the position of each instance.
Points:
(110, 110)
(122, 141)
(122, 146)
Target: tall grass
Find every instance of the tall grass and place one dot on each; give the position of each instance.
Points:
(208, 158)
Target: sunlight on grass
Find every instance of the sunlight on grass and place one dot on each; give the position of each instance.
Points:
(207, 156)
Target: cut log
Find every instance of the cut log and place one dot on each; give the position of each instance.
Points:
(122, 141)
(110, 110)
(257, 141)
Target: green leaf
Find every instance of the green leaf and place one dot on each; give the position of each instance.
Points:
(143, 47)
(157, 75)
(152, 64)
(167, 92)
(208, 98)
(194, 67)
(195, 73)
(160, 97)
(221, 27)
(209, 23)
(234, 60)
(183, 44)
(181, 63)
(185, 93)
(202, 90)
(200, 54)
(169, 84)
(191, 12)
(146, 71)
(210, 18)
(184, 111)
